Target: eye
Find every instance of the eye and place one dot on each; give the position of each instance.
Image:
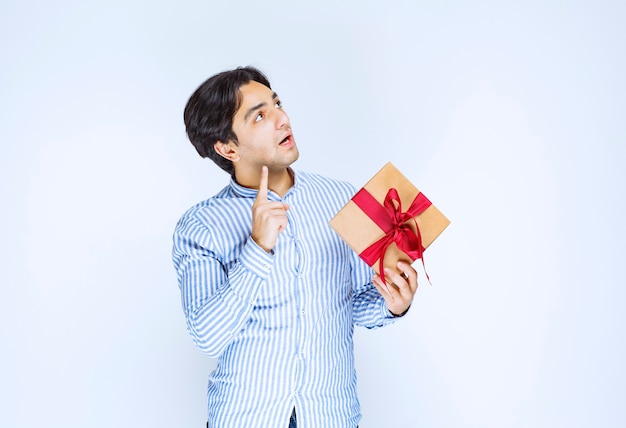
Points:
(258, 117)
(278, 104)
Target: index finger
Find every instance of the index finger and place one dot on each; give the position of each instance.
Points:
(262, 194)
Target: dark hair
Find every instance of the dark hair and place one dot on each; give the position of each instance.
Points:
(210, 110)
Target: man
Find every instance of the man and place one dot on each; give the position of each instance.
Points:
(267, 287)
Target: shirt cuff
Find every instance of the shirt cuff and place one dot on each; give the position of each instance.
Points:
(253, 269)
(256, 259)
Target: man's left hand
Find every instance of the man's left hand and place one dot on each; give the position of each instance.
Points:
(400, 288)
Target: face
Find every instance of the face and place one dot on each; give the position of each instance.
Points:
(263, 132)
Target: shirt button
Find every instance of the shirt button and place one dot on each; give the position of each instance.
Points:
(302, 312)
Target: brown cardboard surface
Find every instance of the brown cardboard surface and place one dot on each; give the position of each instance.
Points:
(359, 231)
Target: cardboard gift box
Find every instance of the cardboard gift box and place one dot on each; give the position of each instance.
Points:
(389, 217)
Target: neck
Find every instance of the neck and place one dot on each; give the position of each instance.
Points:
(278, 181)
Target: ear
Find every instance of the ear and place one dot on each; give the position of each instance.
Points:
(227, 150)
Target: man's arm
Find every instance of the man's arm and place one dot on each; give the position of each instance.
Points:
(368, 306)
(217, 299)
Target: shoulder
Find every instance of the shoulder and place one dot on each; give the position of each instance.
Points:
(321, 193)
(210, 211)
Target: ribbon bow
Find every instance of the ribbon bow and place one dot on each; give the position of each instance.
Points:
(394, 223)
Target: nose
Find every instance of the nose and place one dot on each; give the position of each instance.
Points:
(281, 118)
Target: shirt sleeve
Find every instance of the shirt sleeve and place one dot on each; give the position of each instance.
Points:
(217, 299)
(368, 306)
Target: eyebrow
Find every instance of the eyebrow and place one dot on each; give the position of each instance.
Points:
(257, 107)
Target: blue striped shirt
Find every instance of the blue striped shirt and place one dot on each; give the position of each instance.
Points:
(279, 323)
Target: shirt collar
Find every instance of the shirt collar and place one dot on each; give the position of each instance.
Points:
(246, 192)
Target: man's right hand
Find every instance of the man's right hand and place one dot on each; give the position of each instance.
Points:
(268, 218)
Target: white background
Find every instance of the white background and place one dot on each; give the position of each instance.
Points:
(508, 115)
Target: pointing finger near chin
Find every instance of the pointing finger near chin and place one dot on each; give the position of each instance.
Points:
(262, 193)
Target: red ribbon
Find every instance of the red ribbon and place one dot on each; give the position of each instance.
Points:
(394, 223)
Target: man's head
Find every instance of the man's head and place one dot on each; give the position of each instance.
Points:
(210, 111)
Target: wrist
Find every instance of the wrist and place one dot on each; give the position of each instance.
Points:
(263, 247)
(399, 315)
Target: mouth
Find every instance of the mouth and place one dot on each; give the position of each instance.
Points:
(287, 141)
